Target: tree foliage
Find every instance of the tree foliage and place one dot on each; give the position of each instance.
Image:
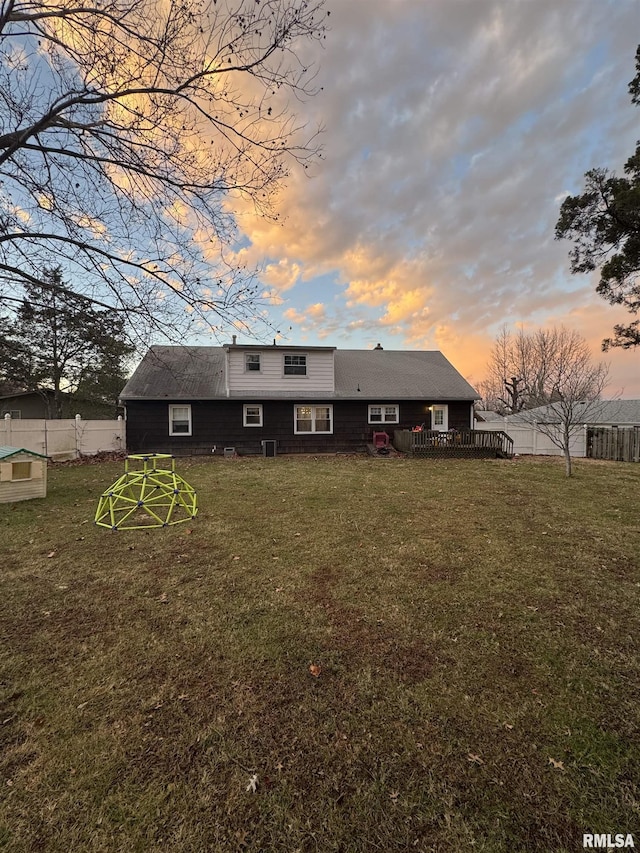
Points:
(61, 342)
(604, 223)
(128, 131)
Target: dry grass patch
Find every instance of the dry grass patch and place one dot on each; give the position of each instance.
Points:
(472, 625)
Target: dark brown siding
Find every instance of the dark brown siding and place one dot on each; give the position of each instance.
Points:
(218, 424)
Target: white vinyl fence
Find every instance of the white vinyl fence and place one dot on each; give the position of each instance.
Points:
(527, 439)
(65, 438)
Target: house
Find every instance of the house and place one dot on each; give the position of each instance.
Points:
(528, 439)
(186, 400)
(41, 405)
(23, 474)
(600, 413)
(27, 404)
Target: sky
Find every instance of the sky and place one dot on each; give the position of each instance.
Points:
(452, 131)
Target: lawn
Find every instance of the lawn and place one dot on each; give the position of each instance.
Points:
(397, 654)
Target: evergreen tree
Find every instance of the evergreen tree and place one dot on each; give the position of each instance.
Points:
(58, 341)
(604, 223)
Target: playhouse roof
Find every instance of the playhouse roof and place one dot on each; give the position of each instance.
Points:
(6, 452)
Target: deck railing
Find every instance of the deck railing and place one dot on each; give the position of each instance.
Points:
(469, 442)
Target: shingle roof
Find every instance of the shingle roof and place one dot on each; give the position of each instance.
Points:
(606, 412)
(178, 373)
(197, 373)
(488, 416)
(398, 375)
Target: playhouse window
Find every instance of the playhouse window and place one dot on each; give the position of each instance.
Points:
(21, 470)
(179, 420)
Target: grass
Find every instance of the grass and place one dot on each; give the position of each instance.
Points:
(473, 628)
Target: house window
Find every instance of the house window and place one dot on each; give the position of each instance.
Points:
(179, 420)
(252, 362)
(313, 419)
(384, 414)
(295, 365)
(21, 470)
(252, 415)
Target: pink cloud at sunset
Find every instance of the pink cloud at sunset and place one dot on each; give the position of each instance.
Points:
(452, 132)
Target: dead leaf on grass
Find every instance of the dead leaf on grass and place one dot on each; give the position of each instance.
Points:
(315, 670)
(474, 759)
(253, 784)
(51, 554)
(557, 765)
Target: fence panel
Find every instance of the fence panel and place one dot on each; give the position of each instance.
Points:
(528, 440)
(65, 438)
(614, 443)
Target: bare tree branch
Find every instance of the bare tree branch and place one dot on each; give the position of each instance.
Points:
(562, 385)
(130, 129)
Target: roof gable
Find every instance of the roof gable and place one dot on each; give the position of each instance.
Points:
(8, 452)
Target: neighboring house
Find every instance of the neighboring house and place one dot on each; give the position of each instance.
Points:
(603, 413)
(185, 400)
(484, 416)
(27, 404)
(527, 439)
(41, 405)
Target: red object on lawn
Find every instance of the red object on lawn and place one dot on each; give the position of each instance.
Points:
(380, 439)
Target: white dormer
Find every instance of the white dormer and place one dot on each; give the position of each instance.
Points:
(275, 370)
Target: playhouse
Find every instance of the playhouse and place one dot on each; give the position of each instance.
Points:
(23, 474)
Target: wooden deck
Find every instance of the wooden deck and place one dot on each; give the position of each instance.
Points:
(464, 443)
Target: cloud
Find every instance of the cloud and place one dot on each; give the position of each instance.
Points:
(452, 133)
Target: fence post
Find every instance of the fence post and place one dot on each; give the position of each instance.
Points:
(7, 427)
(76, 426)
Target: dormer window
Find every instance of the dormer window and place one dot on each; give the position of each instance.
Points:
(252, 362)
(295, 365)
